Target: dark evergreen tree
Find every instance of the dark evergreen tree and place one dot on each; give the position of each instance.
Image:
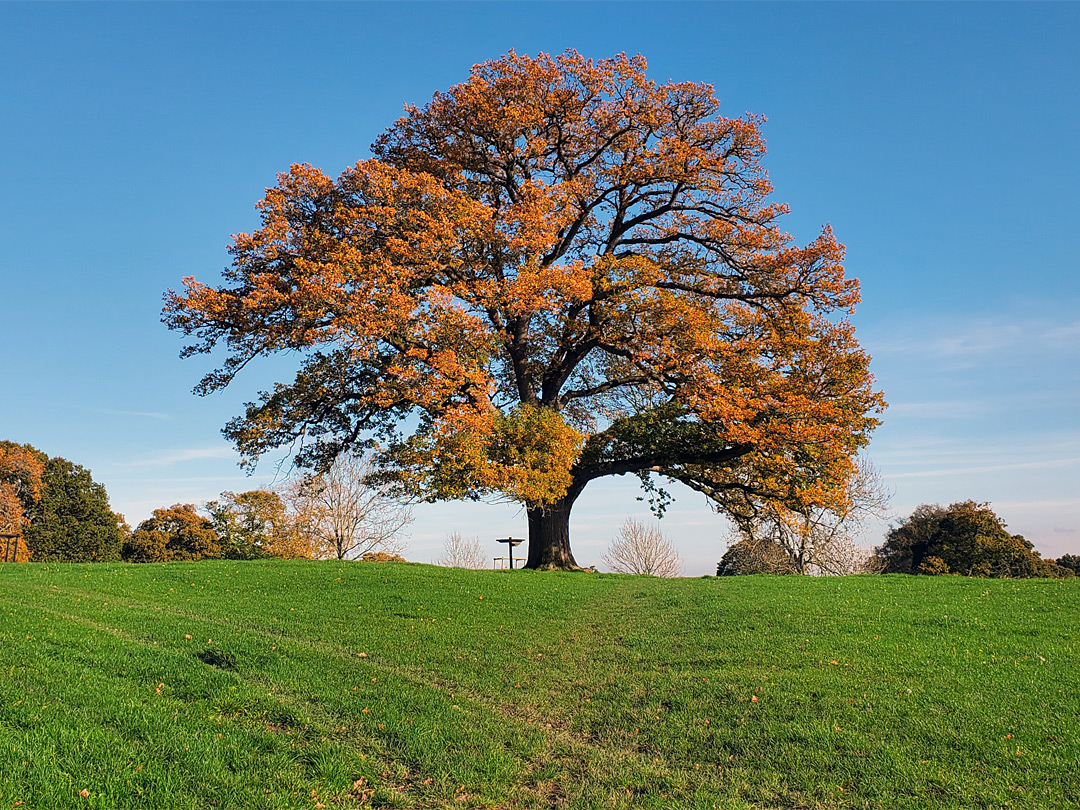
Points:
(72, 521)
(1070, 562)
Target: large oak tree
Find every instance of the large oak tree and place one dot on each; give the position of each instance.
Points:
(555, 271)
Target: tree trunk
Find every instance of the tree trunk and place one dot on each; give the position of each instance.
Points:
(549, 535)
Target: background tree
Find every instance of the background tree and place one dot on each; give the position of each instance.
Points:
(963, 538)
(257, 524)
(556, 271)
(818, 539)
(459, 552)
(72, 521)
(752, 555)
(641, 549)
(1070, 562)
(21, 471)
(347, 514)
(178, 532)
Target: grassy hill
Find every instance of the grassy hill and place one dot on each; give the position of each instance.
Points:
(300, 684)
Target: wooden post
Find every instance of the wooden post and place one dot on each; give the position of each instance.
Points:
(7, 546)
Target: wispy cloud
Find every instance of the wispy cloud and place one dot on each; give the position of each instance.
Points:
(970, 342)
(934, 450)
(945, 409)
(139, 414)
(1027, 401)
(169, 457)
(987, 468)
(1045, 504)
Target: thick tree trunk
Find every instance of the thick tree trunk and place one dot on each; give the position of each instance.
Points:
(549, 535)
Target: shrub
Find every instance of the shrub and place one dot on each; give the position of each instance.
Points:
(755, 557)
(382, 556)
(963, 538)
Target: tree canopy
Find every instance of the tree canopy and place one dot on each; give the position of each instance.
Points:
(178, 532)
(21, 470)
(555, 271)
(61, 512)
(962, 538)
(258, 524)
(818, 539)
(1070, 562)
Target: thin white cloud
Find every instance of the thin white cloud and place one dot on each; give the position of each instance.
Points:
(987, 468)
(191, 480)
(927, 451)
(955, 409)
(1038, 504)
(169, 457)
(139, 414)
(971, 341)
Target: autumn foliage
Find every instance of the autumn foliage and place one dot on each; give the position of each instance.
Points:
(21, 471)
(178, 532)
(258, 524)
(555, 271)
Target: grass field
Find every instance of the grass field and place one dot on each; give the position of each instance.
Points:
(300, 684)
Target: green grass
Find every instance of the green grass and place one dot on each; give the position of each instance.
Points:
(297, 684)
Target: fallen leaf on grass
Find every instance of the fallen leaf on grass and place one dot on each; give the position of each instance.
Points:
(84, 793)
(753, 698)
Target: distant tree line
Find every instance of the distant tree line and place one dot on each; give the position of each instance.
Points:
(51, 509)
(57, 512)
(965, 538)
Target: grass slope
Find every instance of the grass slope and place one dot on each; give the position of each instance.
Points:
(299, 684)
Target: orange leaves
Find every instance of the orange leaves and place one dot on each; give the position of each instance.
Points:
(546, 251)
(525, 455)
(21, 471)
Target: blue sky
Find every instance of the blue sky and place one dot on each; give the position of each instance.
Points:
(939, 140)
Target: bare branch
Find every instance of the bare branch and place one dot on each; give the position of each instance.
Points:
(641, 549)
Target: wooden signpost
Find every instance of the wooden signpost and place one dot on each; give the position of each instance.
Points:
(510, 543)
